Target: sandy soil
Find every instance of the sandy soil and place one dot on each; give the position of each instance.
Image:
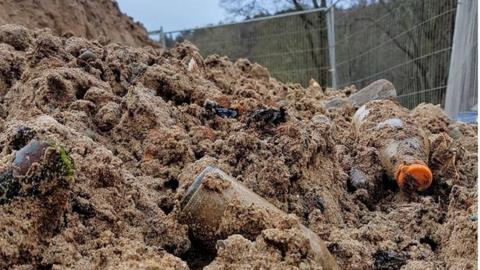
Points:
(99, 19)
(139, 124)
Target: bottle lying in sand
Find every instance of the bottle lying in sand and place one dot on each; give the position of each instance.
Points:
(378, 90)
(30, 159)
(403, 147)
(204, 206)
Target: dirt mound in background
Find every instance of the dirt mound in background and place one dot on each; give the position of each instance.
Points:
(99, 19)
(140, 124)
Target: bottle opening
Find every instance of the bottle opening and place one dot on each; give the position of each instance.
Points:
(194, 186)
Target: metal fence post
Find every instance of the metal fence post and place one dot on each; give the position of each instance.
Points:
(331, 44)
(162, 38)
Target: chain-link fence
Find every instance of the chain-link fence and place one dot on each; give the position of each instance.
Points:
(408, 42)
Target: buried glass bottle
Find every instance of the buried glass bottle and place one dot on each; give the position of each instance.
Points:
(402, 145)
(49, 161)
(205, 205)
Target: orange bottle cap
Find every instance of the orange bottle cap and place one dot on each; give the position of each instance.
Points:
(418, 176)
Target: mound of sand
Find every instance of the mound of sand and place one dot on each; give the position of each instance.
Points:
(140, 124)
(99, 19)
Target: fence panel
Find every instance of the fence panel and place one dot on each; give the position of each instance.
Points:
(293, 47)
(408, 42)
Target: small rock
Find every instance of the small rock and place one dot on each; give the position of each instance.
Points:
(87, 55)
(357, 178)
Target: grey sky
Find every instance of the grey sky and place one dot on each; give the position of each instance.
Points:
(173, 14)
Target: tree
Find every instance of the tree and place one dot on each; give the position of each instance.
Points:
(250, 8)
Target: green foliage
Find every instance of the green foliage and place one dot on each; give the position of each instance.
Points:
(67, 162)
(66, 165)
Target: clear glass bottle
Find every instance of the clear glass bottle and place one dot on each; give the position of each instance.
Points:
(402, 145)
(203, 208)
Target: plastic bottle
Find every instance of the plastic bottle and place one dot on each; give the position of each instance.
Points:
(202, 209)
(403, 146)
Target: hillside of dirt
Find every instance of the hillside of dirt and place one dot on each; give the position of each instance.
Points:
(100, 19)
(127, 130)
